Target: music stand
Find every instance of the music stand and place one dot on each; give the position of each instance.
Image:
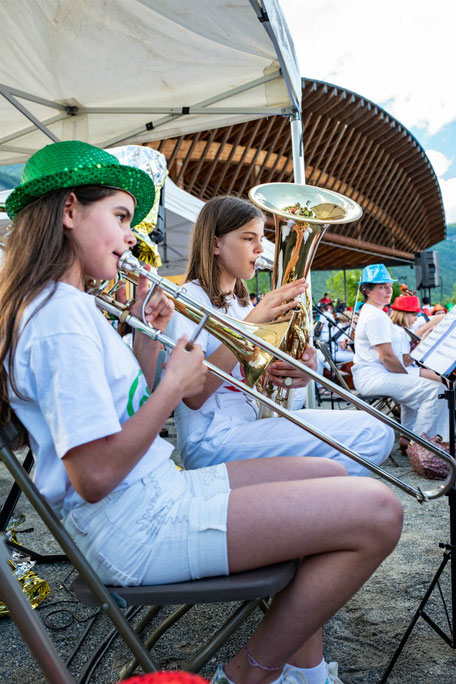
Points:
(437, 353)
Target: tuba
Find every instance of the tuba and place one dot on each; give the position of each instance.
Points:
(302, 214)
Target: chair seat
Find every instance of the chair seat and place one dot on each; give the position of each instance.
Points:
(241, 586)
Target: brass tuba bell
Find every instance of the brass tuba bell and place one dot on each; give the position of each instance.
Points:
(302, 213)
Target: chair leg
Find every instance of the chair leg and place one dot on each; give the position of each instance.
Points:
(152, 639)
(14, 494)
(228, 628)
(7, 512)
(75, 556)
(30, 626)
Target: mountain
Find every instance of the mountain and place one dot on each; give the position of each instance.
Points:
(447, 261)
(10, 176)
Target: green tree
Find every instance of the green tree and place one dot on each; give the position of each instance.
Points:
(335, 286)
(453, 298)
(336, 290)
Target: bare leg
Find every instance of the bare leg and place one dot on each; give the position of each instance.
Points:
(342, 529)
(281, 469)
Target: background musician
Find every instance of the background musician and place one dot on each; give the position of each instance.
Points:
(219, 424)
(342, 339)
(378, 366)
(404, 312)
(94, 428)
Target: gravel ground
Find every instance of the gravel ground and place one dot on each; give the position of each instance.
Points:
(361, 637)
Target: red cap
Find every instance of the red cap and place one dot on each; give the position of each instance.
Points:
(407, 303)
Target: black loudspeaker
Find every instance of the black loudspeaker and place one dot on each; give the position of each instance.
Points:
(427, 272)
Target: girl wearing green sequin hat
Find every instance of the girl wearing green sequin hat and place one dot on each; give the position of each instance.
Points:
(94, 417)
(73, 163)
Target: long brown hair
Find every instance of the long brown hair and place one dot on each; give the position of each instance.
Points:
(38, 252)
(218, 217)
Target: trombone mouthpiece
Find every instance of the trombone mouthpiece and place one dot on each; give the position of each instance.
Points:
(128, 262)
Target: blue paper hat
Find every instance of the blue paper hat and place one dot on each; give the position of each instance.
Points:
(375, 273)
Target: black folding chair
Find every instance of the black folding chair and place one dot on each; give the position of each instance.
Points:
(250, 587)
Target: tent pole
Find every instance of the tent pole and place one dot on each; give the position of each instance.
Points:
(12, 100)
(297, 147)
(300, 177)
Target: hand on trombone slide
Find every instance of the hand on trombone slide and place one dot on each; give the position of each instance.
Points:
(281, 373)
(185, 372)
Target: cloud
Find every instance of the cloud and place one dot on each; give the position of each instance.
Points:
(448, 188)
(397, 54)
(441, 164)
(439, 161)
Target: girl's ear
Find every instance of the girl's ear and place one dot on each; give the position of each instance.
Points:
(216, 245)
(69, 211)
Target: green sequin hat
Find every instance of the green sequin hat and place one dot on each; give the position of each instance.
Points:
(71, 163)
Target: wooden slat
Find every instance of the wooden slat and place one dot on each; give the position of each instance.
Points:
(351, 145)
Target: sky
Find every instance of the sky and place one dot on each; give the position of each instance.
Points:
(399, 54)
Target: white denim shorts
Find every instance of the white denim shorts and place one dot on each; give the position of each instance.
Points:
(148, 533)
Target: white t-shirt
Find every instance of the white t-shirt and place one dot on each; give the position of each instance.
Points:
(186, 418)
(418, 322)
(323, 319)
(405, 341)
(82, 383)
(374, 327)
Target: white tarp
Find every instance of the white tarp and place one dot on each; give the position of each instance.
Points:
(181, 212)
(112, 71)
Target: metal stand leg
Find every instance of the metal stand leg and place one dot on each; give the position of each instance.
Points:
(449, 554)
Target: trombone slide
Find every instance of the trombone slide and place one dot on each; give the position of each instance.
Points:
(120, 311)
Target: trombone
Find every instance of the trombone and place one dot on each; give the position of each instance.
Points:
(132, 268)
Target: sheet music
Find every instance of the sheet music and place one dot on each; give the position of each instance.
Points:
(438, 350)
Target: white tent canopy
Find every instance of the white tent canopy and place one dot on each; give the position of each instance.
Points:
(181, 212)
(4, 220)
(138, 70)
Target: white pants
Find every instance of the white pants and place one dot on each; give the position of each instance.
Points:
(343, 355)
(421, 409)
(226, 429)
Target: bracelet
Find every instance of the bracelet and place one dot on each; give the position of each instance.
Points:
(255, 663)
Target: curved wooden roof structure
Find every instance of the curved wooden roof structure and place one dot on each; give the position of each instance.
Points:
(351, 146)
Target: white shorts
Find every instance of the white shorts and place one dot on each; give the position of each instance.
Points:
(142, 535)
